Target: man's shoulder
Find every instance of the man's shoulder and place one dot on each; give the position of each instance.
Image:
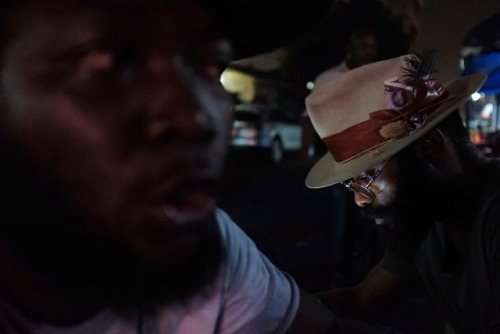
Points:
(227, 228)
(233, 238)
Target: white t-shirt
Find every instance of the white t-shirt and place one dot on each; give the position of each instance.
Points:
(252, 297)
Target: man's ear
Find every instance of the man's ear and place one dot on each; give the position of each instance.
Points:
(429, 148)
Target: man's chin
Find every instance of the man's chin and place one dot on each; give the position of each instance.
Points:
(107, 272)
(381, 215)
(134, 279)
(170, 250)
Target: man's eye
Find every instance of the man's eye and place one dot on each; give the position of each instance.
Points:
(97, 61)
(121, 61)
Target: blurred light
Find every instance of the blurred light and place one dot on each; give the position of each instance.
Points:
(476, 96)
(487, 111)
(310, 85)
(240, 83)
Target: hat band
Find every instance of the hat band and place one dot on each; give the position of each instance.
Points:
(385, 125)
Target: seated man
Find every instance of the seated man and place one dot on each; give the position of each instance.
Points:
(404, 152)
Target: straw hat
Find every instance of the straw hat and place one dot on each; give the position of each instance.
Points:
(372, 112)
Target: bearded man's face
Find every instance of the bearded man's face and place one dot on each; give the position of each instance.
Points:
(404, 219)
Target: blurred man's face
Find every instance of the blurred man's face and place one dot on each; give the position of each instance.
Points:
(363, 49)
(103, 102)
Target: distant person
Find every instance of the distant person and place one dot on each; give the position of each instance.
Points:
(361, 49)
(405, 154)
(355, 245)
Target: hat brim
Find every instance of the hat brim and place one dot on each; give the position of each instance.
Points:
(326, 171)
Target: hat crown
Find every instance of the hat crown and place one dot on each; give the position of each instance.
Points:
(395, 97)
(373, 111)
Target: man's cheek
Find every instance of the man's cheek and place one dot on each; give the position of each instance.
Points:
(386, 193)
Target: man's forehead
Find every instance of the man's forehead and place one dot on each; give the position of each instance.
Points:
(181, 14)
(133, 8)
(233, 19)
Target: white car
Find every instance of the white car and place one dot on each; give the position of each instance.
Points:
(273, 129)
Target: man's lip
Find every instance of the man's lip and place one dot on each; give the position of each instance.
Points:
(195, 206)
(188, 202)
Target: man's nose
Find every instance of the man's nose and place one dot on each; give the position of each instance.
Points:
(174, 120)
(174, 112)
(362, 200)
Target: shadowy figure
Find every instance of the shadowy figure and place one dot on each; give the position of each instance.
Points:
(355, 244)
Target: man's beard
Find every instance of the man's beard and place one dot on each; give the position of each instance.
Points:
(94, 272)
(404, 223)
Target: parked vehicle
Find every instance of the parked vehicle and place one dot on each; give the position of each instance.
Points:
(273, 129)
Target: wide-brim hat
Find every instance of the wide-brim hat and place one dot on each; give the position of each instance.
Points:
(374, 111)
(260, 26)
